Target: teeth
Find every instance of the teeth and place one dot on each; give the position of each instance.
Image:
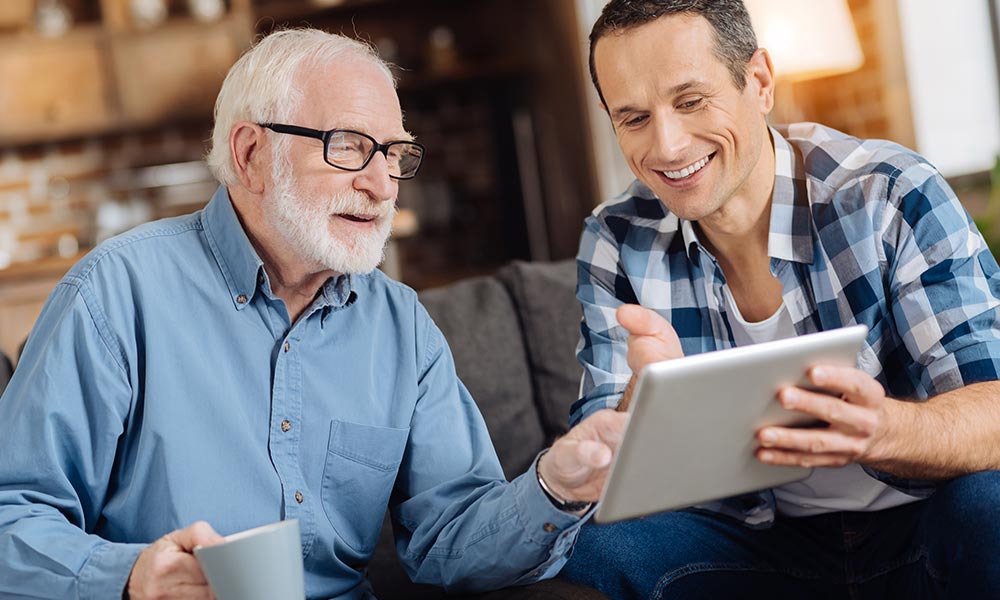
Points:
(687, 171)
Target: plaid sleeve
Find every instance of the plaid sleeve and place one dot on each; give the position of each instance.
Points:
(602, 347)
(944, 286)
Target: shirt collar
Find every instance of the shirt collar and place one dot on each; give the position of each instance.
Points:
(242, 269)
(236, 257)
(791, 229)
(790, 237)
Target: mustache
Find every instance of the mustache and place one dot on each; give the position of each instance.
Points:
(358, 203)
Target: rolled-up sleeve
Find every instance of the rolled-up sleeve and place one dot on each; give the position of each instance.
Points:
(602, 350)
(944, 285)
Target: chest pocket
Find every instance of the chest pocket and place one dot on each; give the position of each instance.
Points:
(360, 470)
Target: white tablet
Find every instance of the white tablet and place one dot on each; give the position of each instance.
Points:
(691, 435)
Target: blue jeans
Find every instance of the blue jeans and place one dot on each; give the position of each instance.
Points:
(947, 546)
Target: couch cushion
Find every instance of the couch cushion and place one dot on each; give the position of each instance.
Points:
(479, 321)
(545, 295)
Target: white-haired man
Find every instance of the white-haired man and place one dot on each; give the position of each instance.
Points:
(247, 364)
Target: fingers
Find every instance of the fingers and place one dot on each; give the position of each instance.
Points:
(574, 469)
(855, 421)
(593, 455)
(591, 444)
(812, 441)
(856, 386)
(639, 320)
(607, 426)
(651, 337)
(800, 459)
(178, 569)
(572, 461)
(835, 411)
(166, 570)
(577, 464)
(197, 534)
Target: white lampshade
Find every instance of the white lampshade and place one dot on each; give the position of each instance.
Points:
(806, 38)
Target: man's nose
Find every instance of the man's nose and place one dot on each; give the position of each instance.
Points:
(374, 179)
(671, 137)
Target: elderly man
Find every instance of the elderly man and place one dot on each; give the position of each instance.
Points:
(247, 364)
(736, 233)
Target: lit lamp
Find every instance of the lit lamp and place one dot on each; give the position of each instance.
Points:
(806, 39)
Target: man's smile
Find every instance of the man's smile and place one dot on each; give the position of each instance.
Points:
(688, 170)
(688, 175)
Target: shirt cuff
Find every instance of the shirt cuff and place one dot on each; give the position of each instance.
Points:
(544, 524)
(106, 572)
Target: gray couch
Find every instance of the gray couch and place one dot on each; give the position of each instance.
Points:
(513, 336)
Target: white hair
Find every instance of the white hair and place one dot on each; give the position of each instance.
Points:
(261, 86)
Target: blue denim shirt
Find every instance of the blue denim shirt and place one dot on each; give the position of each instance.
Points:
(164, 384)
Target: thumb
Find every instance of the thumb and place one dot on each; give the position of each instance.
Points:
(639, 320)
(197, 534)
(594, 455)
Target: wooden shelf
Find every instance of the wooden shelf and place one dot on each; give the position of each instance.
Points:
(107, 76)
(20, 38)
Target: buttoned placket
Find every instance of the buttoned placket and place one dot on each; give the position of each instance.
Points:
(284, 441)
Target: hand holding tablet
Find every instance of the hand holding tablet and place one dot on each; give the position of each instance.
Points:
(691, 436)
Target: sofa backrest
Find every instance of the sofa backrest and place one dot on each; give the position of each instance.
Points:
(545, 297)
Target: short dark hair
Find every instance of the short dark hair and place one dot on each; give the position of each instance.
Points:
(735, 41)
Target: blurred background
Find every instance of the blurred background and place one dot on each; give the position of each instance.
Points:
(106, 106)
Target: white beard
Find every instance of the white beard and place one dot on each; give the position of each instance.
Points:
(306, 225)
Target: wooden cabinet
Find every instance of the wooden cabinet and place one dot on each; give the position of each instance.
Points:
(53, 89)
(175, 71)
(15, 13)
(108, 74)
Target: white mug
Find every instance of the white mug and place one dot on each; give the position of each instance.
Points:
(264, 563)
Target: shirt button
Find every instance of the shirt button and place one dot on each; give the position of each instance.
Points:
(549, 527)
(287, 346)
(286, 425)
(260, 278)
(241, 299)
(299, 497)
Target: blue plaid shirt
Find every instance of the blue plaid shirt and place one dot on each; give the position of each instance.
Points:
(861, 231)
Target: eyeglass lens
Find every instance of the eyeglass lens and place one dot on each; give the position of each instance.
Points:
(350, 150)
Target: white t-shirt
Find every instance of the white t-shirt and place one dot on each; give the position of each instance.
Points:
(827, 489)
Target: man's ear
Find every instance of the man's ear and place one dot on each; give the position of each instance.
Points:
(246, 143)
(760, 74)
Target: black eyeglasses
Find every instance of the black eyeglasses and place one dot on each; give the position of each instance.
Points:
(352, 150)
